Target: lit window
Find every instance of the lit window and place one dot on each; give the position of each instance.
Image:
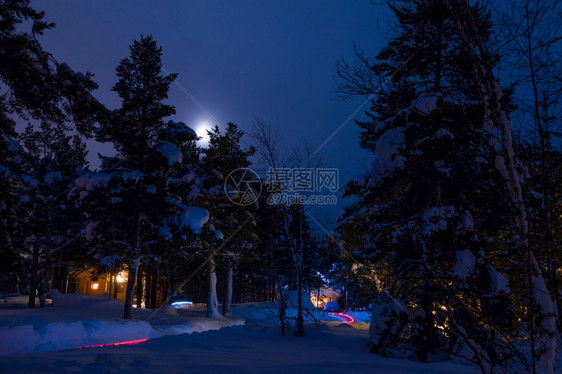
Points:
(95, 286)
(121, 278)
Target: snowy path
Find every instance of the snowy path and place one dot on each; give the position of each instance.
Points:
(338, 348)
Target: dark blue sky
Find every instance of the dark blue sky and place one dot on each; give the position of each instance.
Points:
(272, 59)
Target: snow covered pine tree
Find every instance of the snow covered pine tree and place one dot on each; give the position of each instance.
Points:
(34, 86)
(431, 211)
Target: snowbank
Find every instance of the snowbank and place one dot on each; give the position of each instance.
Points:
(76, 320)
(39, 336)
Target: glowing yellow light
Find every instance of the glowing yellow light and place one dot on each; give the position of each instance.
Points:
(95, 286)
(120, 278)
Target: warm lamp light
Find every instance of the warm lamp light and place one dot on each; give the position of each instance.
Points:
(95, 286)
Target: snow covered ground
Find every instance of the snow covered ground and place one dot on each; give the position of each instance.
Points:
(75, 321)
(184, 340)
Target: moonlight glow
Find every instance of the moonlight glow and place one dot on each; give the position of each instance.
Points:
(201, 131)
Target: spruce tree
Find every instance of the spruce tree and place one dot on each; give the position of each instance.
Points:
(223, 156)
(34, 86)
(51, 162)
(431, 207)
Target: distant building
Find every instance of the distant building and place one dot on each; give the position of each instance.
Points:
(321, 296)
(86, 282)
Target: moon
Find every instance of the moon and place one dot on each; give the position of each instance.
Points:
(201, 131)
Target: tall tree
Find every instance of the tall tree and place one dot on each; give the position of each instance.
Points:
(431, 210)
(35, 86)
(52, 160)
(223, 156)
(541, 309)
(34, 83)
(294, 220)
(127, 200)
(532, 31)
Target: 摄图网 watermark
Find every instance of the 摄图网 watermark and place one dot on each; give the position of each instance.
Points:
(306, 186)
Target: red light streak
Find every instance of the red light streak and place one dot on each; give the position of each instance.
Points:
(349, 318)
(127, 342)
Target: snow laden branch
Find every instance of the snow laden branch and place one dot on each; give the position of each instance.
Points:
(543, 320)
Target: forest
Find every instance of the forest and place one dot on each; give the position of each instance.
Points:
(452, 236)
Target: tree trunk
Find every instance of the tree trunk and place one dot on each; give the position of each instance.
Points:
(33, 281)
(128, 312)
(57, 274)
(282, 307)
(148, 286)
(300, 319)
(63, 278)
(139, 287)
(110, 289)
(227, 299)
(544, 140)
(212, 303)
(154, 287)
(115, 285)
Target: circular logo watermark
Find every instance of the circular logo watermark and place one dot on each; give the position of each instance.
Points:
(243, 186)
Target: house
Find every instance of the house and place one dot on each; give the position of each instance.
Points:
(87, 282)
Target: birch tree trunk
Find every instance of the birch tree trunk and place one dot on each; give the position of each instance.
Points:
(33, 281)
(212, 303)
(543, 323)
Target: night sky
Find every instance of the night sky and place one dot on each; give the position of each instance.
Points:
(239, 59)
